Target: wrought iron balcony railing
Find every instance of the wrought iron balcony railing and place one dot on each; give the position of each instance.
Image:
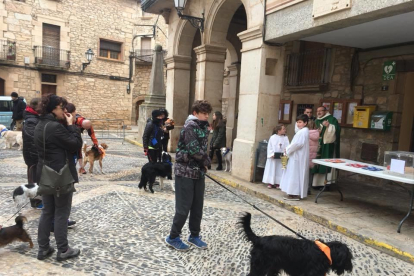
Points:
(146, 55)
(49, 56)
(308, 68)
(7, 50)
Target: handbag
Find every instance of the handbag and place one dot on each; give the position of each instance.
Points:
(329, 136)
(53, 182)
(154, 139)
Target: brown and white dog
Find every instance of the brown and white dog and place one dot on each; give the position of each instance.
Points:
(11, 137)
(93, 155)
(15, 232)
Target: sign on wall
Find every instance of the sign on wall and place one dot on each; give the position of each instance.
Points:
(275, 5)
(388, 70)
(324, 7)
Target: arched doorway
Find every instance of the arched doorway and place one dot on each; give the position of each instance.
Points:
(2, 87)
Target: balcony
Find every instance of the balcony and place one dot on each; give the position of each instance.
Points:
(145, 55)
(7, 50)
(308, 70)
(46, 56)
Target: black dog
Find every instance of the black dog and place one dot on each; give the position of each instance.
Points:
(151, 170)
(272, 254)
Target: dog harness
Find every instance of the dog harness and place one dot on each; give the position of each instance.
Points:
(4, 130)
(227, 151)
(325, 249)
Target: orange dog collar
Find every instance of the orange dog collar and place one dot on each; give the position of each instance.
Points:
(325, 249)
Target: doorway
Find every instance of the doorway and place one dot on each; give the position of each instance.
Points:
(405, 142)
(48, 89)
(2, 87)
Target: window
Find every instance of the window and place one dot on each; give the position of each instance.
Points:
(110, 49)
(49, 78)
(308, 67)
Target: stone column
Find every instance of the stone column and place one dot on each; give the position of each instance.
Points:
(178, 94)
(232, 109)
(259, 97)
(210, 68)
(155, 98)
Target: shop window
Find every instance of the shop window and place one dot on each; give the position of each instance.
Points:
(308, 67)
(110, 49)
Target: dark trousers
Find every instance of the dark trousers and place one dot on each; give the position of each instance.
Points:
(218, 155)
(154, 155)
(57, 208)
(189, 198)
(164, 143)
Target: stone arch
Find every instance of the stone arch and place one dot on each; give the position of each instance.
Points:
(219, 18)
(184, 38)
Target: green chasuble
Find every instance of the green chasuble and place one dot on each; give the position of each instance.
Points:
(327, 150)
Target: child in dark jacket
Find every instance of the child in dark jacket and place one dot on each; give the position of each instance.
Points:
(151, 139)
(191, 164)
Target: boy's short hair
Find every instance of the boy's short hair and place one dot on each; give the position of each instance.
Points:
(201, 106)
(302, 117)
(277, 128)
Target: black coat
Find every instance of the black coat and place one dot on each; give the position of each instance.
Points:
(149, 133)
(218, 140)
(61, 142)
(29, 148)
(18, 107)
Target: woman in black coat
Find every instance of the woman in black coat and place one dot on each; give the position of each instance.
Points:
(31, 118)
(218, 140)
(61, 144)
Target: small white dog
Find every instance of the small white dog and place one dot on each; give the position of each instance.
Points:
(11, 137)
(24, 192)
(227, 156)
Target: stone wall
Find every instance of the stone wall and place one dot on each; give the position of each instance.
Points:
(367, 88)
(82, 25)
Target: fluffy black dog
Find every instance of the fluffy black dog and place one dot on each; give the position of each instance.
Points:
(151, 170)
(272, 254)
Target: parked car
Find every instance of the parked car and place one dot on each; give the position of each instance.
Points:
(6, 110)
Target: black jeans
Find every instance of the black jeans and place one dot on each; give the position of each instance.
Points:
(164, 143)
(154, 155)
(219, 157)
(189, 198)
(57, 208)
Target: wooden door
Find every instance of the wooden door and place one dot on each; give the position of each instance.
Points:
(2, 87)
(51, 45)
(48, 89)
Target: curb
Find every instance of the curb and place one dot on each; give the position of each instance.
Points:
(381, 246)
(133, 142)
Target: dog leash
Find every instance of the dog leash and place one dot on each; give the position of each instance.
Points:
(258, 209)
(17, 211)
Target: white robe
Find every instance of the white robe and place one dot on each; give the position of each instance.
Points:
(273, 169)
(295, 179)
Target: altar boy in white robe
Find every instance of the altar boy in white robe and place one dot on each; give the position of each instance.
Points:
(273, 169)
(295, 179)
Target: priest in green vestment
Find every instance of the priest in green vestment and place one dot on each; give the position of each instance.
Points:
(327, 147)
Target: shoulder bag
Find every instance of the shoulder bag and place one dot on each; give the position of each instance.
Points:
(53, 182)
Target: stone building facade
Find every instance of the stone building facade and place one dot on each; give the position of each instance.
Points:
(240, 63)
(44, 43)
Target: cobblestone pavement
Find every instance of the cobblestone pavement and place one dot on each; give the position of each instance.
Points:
(120, 230)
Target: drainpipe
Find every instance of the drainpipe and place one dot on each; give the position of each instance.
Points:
(264, 29)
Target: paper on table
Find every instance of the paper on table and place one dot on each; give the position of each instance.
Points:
(397, 166)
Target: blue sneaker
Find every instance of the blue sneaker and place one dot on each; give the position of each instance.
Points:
(177, 243)
(197, 242)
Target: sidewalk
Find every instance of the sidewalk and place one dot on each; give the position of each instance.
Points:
(369, 213)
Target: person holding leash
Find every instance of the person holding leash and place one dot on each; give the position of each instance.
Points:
(190, 167)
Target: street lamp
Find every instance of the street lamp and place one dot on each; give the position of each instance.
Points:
(88, 55)
(197, 22)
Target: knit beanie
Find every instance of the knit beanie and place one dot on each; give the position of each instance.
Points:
(156, 113)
